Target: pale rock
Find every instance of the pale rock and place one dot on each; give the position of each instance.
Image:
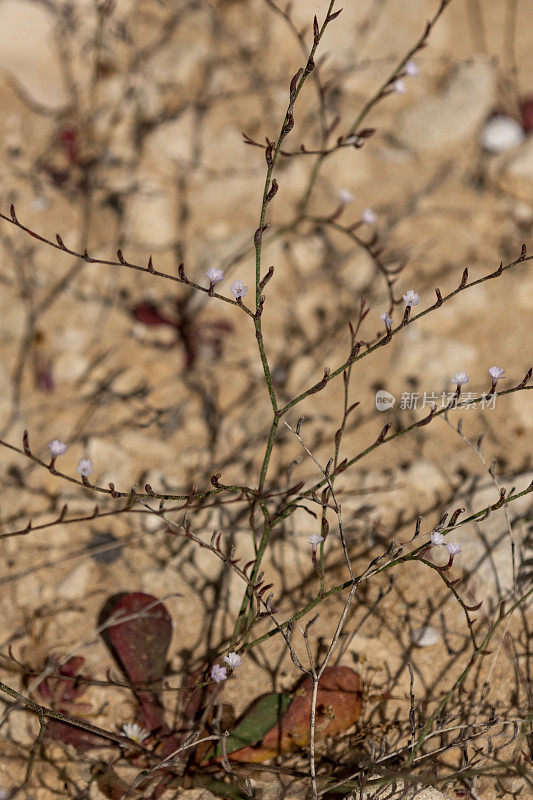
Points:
(69, 367)
(174, 140)
(75, 584)
(27, 51)
(522, 409)
(423, 478)
(308, 254)
(175, 59)
(402, 793)
(425, 637)
(112, 463)
(23, 727)
(486, 546)
(150, 218)
(357, 271)
(454, 114)
(513, 171)
(5, 394)
(160, 582)
(501, 133)
(12, 321)
(28, 591)
(274, 787)
(432, 359)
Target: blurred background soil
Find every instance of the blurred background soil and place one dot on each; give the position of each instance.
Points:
(124, 130)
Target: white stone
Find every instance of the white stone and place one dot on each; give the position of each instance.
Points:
(426, 636)
(149, 215)
(75, 584)
(174, 140)
(27, 50)
(501, 133)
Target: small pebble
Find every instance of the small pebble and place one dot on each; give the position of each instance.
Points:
(424, 637)
(500, 133)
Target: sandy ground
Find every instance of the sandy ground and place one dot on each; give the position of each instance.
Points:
(131, 137)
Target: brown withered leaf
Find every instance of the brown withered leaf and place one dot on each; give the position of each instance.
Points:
(109, 782)
(339, 703)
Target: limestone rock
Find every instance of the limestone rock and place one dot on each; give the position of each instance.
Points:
(75, 584)
(501, 133)
(27, 51)
(452, 115)
(513, 170)
(486, 546)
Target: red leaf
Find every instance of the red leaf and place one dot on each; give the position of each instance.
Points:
(59, 693)
(526, 110)
(81, 739)
(149, 314)
(140, 645)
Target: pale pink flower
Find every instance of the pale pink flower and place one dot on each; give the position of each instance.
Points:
(437, 538)
(387, 321)
(239, 290)
(233, 660)
(57, 448)
(215, 275)
(496, 373)
(411, 298)
(399, 87)
(459, 378)
(453, 549)
(85, 467)
(411, 69)
(218, 673)
(369, 216)
(345, 196)
(314, 540)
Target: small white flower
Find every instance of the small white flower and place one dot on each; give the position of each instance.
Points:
(218, 673)
(134, 732)
(411, 69)
(239, 290)
(85, 467)
(387, 321)
(437, 538)
(369, 216)
(459, 378)
(233, 660)
(57, 448)
(411, 298)
(453, 549)
(399, 87)
(345, 196)
(314, 540)
(215, 274)
(496, 373)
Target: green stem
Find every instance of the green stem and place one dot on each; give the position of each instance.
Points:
(247, 602)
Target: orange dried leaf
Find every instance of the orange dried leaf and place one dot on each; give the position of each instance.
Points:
(339, 703)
